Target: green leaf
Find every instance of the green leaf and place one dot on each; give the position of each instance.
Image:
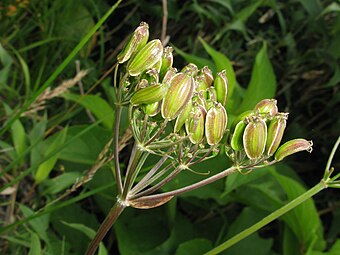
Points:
(89, 232)
(75, 236)
(39, 224)
(17, 132)
(98, 106)
(194, 246)
(198, 61)
(222, 63)
(253, 244)
(262, 83)
(6, 61)
(290, 244)
(36, 136)
(333, 7)
(61, 182)
(46, 167)
(25, 71)
(313, 7)
(35, 245)
(141, 232)
(332, 251)
(246, 12)
(236, 180)
(303, 220)
(85, 148)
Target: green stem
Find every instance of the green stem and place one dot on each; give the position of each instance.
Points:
(116, 149)
(135, 156)
(273, 216)
(110, 219)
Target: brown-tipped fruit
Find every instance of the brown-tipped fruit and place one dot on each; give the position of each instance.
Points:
(293, 146)
(167, 60)
(178, 96)
(215, 124)
(254, 138)
(267, 107)
(183, 116)
(149, 95)
(145, 58)
(190, 69)
(137, 40)
(221, 87)
(275, 132)
(194, 125)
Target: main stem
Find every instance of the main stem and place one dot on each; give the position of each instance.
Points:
(273, 216)
(110, 219)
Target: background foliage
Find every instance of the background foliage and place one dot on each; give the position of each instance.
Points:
(270, 48)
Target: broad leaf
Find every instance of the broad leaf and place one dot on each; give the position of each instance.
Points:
(39, 225)
(262, 83)
(304, 219)
(222, 63)
(35, 245)
(89, 232)
(98, 106)
(194, 246)
(253, 244)
(46, 167)
(85, 148)
(200, 62)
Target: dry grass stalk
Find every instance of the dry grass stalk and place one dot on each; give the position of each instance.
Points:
(40, 102)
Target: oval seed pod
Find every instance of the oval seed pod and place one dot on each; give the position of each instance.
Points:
(151, 109)
(275, 132)
(168, 76)
(208, 76)
(292, 147)
(199, 99)
(137, 40)
(190, 69)
(221, 86)
(215, 124)
(183, 116)
(241, 117)
(194, 125)
(179, 94)
(267, 107)
(236, 142)
(145, 58)
(149, 95)
(167, 60)
(254, 138)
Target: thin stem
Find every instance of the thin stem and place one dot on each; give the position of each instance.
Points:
(134, 158)
(158, 133)
(161, 183)
(273, 216)
(116, 149)
(110, 219)
(203, 157)
(164, 22)
(140, 185)
(331, 156)
(195, 185)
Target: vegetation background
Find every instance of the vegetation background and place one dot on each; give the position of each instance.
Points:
(289, 50)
